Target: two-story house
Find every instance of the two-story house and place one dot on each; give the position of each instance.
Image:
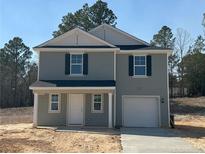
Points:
(104, 77)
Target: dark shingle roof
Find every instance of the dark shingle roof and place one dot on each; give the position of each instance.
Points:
(74, 83)
(139, 47)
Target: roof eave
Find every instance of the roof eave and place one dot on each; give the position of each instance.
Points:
(75, 49)
(73, 88)
(149, 51)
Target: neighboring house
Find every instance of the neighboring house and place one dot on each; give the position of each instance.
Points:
(104, 77)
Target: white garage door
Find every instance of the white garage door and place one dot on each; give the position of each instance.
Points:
(140, 111)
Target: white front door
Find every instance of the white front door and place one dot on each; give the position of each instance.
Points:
(75, 116)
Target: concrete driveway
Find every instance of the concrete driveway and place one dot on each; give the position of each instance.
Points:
(154, 140)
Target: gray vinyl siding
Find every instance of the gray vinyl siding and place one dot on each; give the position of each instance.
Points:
(96, 119)
(100, 66)
(51, 119)
(59, 119)
(153, 85)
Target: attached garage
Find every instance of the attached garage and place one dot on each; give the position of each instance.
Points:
(140, 111)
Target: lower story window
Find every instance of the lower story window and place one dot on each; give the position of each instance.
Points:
(54, 103)
(97, 103)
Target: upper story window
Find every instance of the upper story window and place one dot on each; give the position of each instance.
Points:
(76, 64)
(139, 65)
(54, 103)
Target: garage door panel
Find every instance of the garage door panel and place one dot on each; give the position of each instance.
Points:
(140, 112)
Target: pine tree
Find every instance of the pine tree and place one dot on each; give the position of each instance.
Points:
(14, 57)
(87, 18)
(165, 39)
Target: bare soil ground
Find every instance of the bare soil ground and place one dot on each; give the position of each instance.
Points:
(16, 115)
(190, 119)
(16, 136)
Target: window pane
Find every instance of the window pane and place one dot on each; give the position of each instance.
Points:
(76, 59)
(97, 98)
(76, 69)
(54, 106)
(79, 58)
(139, 60)
(142, 60)
(97, 106)
(139, 70)
(54, 98)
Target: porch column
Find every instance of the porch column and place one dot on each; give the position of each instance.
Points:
(110, 110)
(35, 110)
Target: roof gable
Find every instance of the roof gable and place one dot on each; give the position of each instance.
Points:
(75, 37)
(116, 36)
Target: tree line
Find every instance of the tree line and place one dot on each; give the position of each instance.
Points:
(187, 61)
(17, 71)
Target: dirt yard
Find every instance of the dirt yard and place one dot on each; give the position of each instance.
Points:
(16, 136)
(16, 115)
(190, 120)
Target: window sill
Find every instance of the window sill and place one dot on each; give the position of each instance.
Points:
(77, 75)
(50, 111)
(140, 76)
(97, 112)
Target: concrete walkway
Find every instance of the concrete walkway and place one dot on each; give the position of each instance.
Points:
(154, 140)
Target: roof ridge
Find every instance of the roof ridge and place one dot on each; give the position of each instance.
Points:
(121, 31)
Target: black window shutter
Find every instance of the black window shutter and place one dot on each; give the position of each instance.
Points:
(67, 63)
(149, 65)
(85, 64)
(130, 65)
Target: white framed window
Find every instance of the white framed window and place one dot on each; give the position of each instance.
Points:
(139, 65)
(97, 103)
(54, 103)
(76, 64)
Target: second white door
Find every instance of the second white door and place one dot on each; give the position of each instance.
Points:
(75, 115)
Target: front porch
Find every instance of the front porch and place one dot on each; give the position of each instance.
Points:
(85, 106)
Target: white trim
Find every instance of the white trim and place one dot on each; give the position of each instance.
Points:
(57, 38)
(59, 103)
(115, 108)
(71, 74)
(110, 110)
(68, 110)
(142, 96)
(168, 103)
(72, 88)
(120, 31)
(134, 65)
(76, 49)
(38, 65)
(74, 31)
(35, 110)
(93, 102)
(145, 52)
(118, 51)
(76, 52)
(114, 65)
(140, 76)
